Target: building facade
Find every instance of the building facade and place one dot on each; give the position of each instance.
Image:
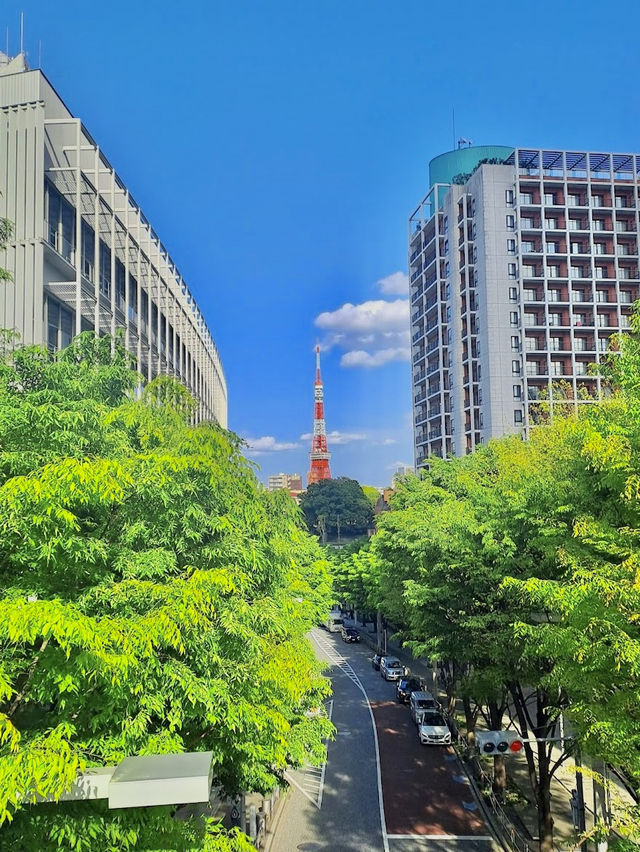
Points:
(292, 482)
(83, 256)
(522, 265)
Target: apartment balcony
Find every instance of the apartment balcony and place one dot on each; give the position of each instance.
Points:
(432, 390)
(416, 275)
(418, 398)
(418, 356)
(419, 376)
(417, 336)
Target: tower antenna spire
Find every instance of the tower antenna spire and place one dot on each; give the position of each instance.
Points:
(319, 455)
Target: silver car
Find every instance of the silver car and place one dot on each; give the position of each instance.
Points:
(391, 668)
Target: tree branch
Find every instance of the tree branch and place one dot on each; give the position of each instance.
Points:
(31, 671)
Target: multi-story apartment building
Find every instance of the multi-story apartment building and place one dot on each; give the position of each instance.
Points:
(522, 263)
(83, 256)
(291, 482)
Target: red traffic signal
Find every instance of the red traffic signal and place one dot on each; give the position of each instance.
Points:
(498, 742)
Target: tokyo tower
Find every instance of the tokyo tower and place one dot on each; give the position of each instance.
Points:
(319, 455)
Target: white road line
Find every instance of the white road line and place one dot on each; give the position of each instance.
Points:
(312, 784)
(347, 669)
(324, 765)
(483, 837)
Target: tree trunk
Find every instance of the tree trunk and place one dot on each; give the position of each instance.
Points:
(470, 718)
(545, 820)
(379, 631)
(496, 712)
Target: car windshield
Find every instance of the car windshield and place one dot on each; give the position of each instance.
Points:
(394, 664)
(433, 720)
(412, 684)
(351, 631)
(424, 702)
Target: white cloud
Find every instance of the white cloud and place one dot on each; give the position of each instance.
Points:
(360, 358)
(336, 438)
(376, 316)
(398, 464)
(396, 284)
(268, 444)
(370, 334)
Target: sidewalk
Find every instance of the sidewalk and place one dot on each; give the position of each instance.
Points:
(522, 813)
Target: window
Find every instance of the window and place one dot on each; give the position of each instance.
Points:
(578, 296)
(144, 310)
(515, 344)
(511, 222)
(133, 299)
(549, 198)
(552, 248)
(598, 225)
(104, 278)
(553, 271)
(575, 225)
(445, 225)
(514, 319)
(551, 224)
(528, 246)
(555, 318)
(557, 368)
(447, 268)
(601, 272)
(526, 198)
(508, 197)
(475, 254)
(600, 248)
(473, 231)
(59, 325)
(580, 319)
(511, 268)
(515, 368)
(555, 344)
(597, 200)
(88, 250)
(554, 295)
(573, 200)
(511, 246)
(121, 290)
(578, 272)
(446, 246)
(603, 320)
(517, 392)
(517, 416)
(513, 294)
(603, 296)
(527, 222)
(53, 315)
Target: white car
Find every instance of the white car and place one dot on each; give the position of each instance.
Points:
(391, 668)
(433, 729)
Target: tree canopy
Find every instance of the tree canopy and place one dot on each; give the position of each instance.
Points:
(516, 570)
(337, 506)
(154, 599)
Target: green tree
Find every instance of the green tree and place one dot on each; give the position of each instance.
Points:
(337, 506)
(372, 494)
(155, 599)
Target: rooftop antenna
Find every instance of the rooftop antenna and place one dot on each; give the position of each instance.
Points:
(462, 142)
(7, 41)
(39, 53)
(21, 33)
(453, 122)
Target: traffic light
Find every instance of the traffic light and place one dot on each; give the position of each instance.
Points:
(498, 742)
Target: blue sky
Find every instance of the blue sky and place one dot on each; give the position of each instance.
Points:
(278, 147)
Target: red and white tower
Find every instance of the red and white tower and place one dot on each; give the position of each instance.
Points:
(319, 455)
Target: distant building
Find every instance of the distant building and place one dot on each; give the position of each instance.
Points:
(291, 482)
(83, 256)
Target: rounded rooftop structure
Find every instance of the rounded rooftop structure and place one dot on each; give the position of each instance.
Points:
(444, 167)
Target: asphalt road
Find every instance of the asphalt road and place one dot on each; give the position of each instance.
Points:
(428, 804)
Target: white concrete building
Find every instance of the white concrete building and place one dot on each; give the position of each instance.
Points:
(521, 269)
(83, 256)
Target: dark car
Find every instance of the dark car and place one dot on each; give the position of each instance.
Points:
(375, 661)
(350, 634)
(405, 686)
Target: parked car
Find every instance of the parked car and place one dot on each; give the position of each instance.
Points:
(350, 634)
(405, 686)
(433, 729)
(375, 661)
(391, 668)
(420, 702)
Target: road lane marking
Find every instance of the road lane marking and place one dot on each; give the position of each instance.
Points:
(338, 660)
(481, 837)
(312, 784)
